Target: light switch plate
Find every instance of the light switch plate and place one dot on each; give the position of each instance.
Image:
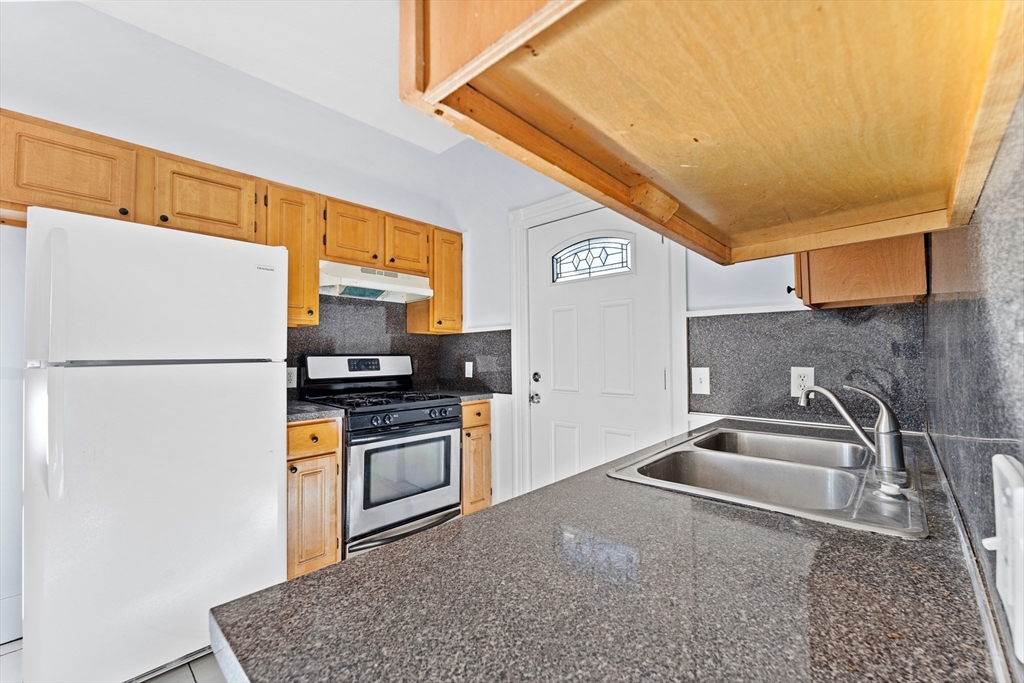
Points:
(800, 379)
(1008, 543)
(700, 380)
(469, 368)
(293, 378)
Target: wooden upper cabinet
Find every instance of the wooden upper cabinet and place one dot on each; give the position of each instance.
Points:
(406, 245)
(313, 531)
(293, 222)
(441, 313)
(60, 168)
(882, 272)
(890, 133)
(204, 199)
(354, 234)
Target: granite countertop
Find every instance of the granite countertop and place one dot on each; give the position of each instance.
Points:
(301, 411)
(597, 578)
(467, 396)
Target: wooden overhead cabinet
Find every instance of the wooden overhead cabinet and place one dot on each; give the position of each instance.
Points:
(293, 221)
(353, 234)
(205, 199)
(441, 313)
(406, 245)
(63, 168)
(888, 271)
(740, 130)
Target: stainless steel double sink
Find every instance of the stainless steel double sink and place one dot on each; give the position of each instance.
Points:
(825, 479)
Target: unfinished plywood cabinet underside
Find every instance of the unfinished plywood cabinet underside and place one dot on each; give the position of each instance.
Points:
(740, 129)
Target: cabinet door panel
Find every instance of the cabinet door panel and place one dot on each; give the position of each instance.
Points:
(476, 469)
(447, 280)
(354, 234)
(312, 514)
(48, 167)
(292, 223)
(407, 245)
(205, 200)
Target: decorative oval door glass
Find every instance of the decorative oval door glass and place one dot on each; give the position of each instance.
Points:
(591, 258)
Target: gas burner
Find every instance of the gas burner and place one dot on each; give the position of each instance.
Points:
(413, 396)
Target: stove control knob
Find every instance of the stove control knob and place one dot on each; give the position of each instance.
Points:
(444, 412)
(433, 412)
(375, 420)
(388, 419)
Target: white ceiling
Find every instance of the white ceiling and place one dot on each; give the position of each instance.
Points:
(342, 54)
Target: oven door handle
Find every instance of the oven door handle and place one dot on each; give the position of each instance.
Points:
(355, 439)
(423, 525)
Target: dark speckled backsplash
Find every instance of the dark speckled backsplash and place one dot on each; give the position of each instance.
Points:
(975, 348)
(879, 348)
(354, 326)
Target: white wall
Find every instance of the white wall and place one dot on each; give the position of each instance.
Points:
(12, 382)
(68, 63)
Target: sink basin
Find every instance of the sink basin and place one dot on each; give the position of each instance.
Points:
(827, 479)
(783, 447)
(771, 481)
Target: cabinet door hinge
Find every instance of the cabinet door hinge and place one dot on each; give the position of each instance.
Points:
(255, 226)
(338, 543)
(255, 197)
(325, 239)
(325, 214)
(428, 259)
(339, 470)
(265, 201)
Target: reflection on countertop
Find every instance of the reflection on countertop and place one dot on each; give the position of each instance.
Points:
(639, 583)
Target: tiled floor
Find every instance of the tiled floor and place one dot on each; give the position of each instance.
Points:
(202, 670)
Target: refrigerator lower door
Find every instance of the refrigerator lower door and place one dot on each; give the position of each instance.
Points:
(98, 289)
(152, 493)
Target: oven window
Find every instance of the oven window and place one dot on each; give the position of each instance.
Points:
(408, 469)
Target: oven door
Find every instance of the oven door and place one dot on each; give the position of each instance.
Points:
(401, 475)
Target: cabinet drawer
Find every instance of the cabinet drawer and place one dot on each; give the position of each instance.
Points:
(309, 439)
(476, 413)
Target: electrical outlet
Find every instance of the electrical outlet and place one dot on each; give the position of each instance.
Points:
(293, 378)
(700, 380)
(469, 368)
(800, 379)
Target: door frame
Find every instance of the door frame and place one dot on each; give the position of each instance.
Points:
(520, 221)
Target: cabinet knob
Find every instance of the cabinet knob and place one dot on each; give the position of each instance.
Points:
(479, 414)
(293, 469)
(123, 211)
(309, 312)
(314, 438)
(790, 290)
(391, 260)
(163, 217)
(438, 322)
(375, 256)
(468, 435)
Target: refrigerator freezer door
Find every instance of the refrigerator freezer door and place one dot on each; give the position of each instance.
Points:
(105, 290)
(152, 493)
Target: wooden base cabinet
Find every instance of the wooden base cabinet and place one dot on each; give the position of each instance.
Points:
(476, 457)
(889, 271)
(441, 313)
(314, 497)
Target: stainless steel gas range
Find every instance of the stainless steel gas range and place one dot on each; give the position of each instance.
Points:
(402, 448)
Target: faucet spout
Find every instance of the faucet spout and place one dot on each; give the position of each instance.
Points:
(805, 400)
(888, 444)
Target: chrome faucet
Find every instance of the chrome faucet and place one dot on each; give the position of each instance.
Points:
(888, 443)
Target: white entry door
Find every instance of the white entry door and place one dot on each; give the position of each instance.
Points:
(599, 342)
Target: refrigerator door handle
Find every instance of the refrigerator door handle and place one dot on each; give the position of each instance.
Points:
(56, 485)
(57, 300)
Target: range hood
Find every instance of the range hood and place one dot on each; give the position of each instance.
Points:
(356, 282)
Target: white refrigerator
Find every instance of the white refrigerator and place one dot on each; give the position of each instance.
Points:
(154, 478)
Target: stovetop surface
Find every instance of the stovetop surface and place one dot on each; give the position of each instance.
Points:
(385, 400)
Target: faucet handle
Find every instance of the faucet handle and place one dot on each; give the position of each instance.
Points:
(886, 421)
